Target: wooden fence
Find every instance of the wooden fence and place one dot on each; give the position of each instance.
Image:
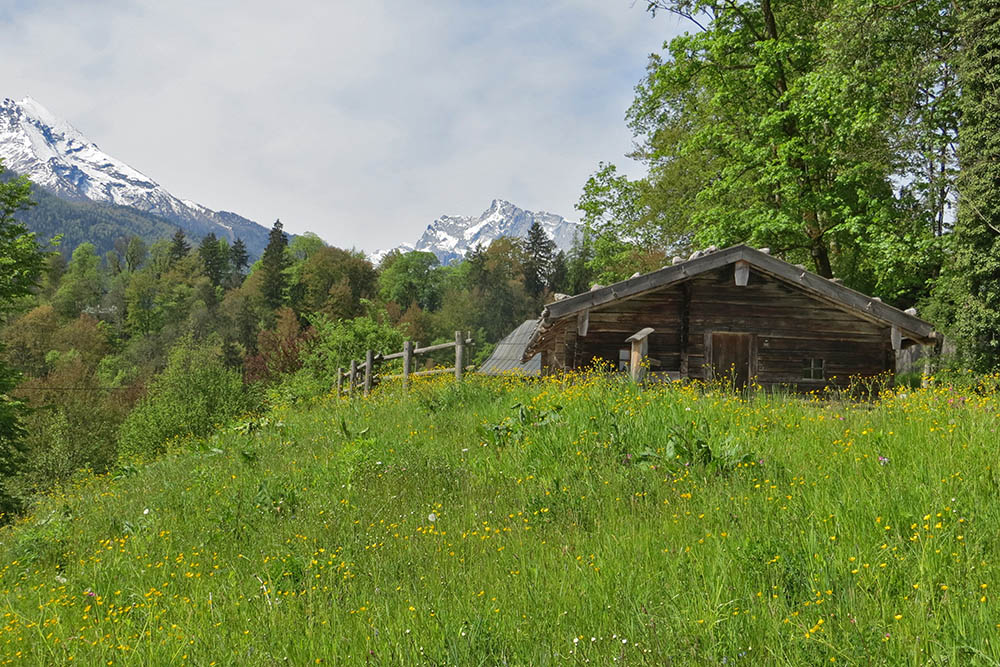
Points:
(364, 374)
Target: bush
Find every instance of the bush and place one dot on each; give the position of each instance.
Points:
(194, 393)
(337, 342)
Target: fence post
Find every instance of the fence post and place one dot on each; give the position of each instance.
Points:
(340, 381)
(459, 354)
(352, 378)
(369, 362)
(407, 362)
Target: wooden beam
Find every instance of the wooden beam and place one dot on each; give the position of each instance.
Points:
(685, 326)
(896, 336)
(582, 322)
(639, 352)
(641, 334)
(709, 368)
(742, 272)
(433, 348)
(369, 358)
(407, 362)
(459, 354)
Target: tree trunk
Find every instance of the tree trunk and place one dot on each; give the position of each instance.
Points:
(821, 258)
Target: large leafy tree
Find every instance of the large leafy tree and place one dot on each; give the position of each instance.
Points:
(412, 277)
(82, 284)
(21, 264)
(797, 125)
(977, 229)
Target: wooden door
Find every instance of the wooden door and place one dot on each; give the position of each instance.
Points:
(732, 356)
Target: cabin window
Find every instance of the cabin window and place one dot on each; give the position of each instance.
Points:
(812, 369)
(624, 358)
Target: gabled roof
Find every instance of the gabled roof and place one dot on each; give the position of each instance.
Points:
(865, 307)
(506, 357)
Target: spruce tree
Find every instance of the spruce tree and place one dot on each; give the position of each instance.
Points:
(213, 259)
(239, 259)
(179, 247)
(559, 273)
(538, 251)
(977, 227)
(273, 264)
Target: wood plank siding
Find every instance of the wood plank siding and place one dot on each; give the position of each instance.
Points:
(771, 330)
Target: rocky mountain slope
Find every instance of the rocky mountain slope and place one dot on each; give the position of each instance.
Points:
(60, 159)
(450, 237)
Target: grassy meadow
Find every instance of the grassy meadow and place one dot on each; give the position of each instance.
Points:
(572, 520)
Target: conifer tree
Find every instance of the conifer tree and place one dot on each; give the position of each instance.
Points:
(274, 263)
(538, 251)
(977, 227)
(559, 273)
(179, 247)
(213, 259)
(239, 259)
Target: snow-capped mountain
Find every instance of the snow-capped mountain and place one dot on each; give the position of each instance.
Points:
(450, 237)
(58, 157)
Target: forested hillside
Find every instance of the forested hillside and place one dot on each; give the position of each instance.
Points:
(115, 353)
(78, 222)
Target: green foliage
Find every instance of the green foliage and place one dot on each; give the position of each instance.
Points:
(239, 260)
(20, 270)
(975, 276)
(539, 253)
(195, 393)
(214, 259)
(82, 284)
(179, 247)
(336, 342)
(273, 266)
(77, 222)
(332, 281)
(496, 298)
(792, 125)
(412, 277)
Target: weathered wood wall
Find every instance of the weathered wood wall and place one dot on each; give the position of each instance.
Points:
(789, 327)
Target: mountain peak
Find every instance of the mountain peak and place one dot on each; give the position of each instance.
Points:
(58, 157)
(450, 237)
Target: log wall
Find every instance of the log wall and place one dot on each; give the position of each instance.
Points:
(789, 327)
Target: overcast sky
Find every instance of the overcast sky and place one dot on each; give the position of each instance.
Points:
(361, 121)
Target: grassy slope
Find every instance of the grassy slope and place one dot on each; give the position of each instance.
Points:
(311, 539)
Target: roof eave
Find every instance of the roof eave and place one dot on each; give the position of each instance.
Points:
(868, 307)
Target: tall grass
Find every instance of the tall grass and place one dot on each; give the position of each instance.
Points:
(496, 521)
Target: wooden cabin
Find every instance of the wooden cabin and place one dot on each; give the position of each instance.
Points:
(736, 312)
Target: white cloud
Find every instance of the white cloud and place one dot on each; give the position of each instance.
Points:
(360, 121)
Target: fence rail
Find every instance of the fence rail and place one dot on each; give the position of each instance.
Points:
(363, 374)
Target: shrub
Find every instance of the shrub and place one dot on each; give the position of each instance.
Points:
(194, 393)
(337, 342)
